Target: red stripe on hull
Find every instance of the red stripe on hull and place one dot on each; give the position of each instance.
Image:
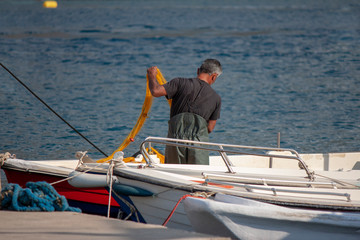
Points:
(90, 195)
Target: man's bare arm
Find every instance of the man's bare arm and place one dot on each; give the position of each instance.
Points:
(211, 125)
(156, 89)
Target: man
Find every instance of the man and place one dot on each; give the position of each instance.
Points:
(194, 111)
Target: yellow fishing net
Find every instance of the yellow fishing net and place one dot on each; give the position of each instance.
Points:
(140, 122)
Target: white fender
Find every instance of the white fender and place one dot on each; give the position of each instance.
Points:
(88, 180)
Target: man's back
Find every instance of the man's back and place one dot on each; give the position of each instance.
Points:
(194, 96)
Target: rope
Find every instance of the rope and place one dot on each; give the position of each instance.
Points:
(177, 187)
(43, 102)
(38, 196)
(109, 180)
(199, 195)
(4, 156)
(130, 206)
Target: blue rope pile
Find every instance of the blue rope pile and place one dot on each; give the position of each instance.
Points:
(37, 196)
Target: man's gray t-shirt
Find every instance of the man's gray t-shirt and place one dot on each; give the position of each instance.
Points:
(195, 96)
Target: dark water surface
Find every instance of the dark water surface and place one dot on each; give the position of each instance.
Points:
(289, 66)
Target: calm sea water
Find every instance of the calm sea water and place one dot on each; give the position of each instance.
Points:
(289, 66)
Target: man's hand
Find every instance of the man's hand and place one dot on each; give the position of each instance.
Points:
(155, 88)
(152, 72)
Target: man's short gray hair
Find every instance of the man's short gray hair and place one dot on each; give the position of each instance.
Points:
(211, 66)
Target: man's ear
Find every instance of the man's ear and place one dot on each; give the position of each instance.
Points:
(213, 78)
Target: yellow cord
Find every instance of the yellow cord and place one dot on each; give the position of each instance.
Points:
(141, 120)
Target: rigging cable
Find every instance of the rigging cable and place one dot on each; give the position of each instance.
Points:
(53, 110)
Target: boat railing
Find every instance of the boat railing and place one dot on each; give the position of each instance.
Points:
(276, 190)
(211, 177)
(223, 150)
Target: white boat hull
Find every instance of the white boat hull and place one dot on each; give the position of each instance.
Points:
(241, 218)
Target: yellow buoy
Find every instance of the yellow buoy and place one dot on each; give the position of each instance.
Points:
(50, 4)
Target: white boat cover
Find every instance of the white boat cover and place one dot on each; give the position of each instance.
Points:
(53, 167)
(241, 218)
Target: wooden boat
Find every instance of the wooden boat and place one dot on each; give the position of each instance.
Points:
(150, 192)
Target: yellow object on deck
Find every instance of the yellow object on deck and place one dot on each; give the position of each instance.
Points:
(50, 4)
(153, 151)
(141, 120)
